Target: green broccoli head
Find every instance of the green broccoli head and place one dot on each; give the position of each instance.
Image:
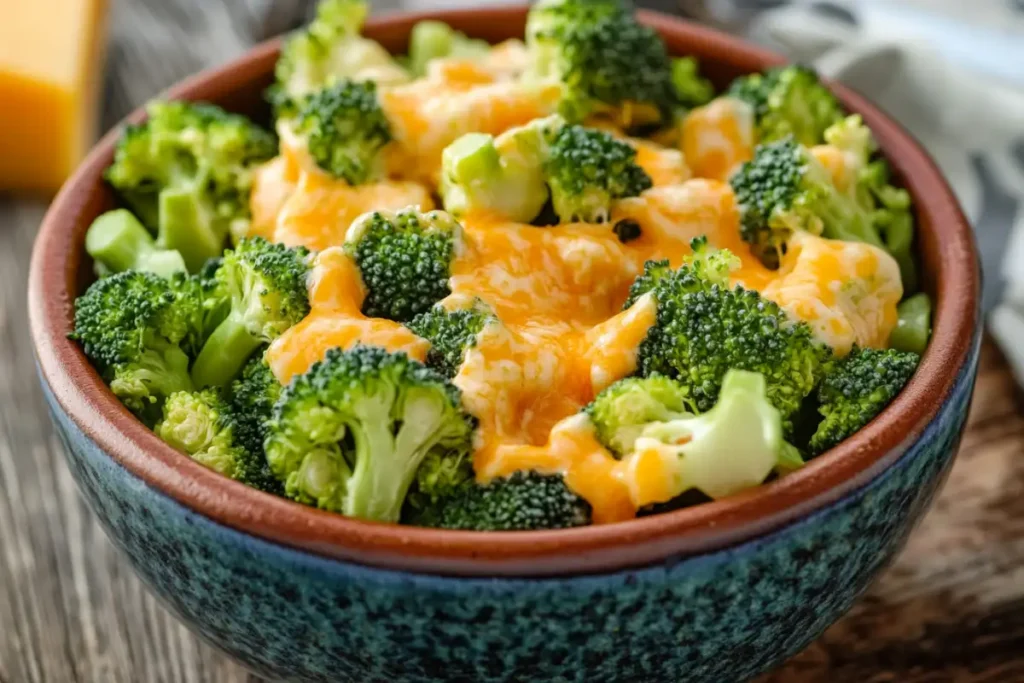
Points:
(524, 501)
(692, 89)
(587, 170)
(131, 326)
(607, 62)
(404, 259)
(784, 189)
(857, 388)
(202, 425)
(451, 333)
(704, 328)
(710, 265)
(251, 405)
(889, 206)
(432, 40)
(351, 433)
(622, 411)
(345, 130)
(788, 101)
(501, 177)
(733, 446)
(187, 174)
(328, 50)
(266, 284)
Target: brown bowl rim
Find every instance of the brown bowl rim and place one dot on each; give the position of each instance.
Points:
(81, 393)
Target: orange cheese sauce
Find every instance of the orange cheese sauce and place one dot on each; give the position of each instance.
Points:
(846, 291)
(335, 297)
(456, 98)
(718, 137)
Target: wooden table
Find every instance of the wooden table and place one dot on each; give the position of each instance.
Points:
(950, 609)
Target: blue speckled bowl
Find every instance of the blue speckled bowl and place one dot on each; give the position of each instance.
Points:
(715, 593)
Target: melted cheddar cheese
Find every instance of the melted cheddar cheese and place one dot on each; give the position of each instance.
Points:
(718, 137)
(335, 297)
(846, 291)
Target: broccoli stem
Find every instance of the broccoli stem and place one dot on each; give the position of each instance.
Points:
(914, 325)
(185, 227)
(374, 486)
(225, 354)
(842, 220)
(117, 241)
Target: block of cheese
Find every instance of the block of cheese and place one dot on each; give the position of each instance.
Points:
(51, 57)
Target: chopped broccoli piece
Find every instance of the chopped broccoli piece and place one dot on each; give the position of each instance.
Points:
(733, 446)
(201, 425)
(328, 50)
(251, 406)
(788, 101)
(266, 283)
(345, 131)
(509, 176)
(404, 259)
(620, 412)
(692, 89)
(856, 389)
(914, 324)
(450, 333)
(439, 477)
(524, 501)
(351, 433)
(187, 174)
(432, 40)
(607, 62)
(888, 205)
(654, 271)
(117, 241)
(131, 326)
(704, 328)
(587, 169)
(501, 177)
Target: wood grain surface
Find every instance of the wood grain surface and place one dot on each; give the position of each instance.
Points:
(951, 609)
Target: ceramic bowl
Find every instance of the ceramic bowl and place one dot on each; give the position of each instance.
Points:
(714, 593)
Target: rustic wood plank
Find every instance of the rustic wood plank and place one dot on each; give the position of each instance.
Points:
(950, 609)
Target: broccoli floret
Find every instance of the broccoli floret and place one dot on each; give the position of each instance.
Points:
(588, 169)
(510, 176)
(620, 412)
(704, 328)
(251, 405)
(345, 131)
(784, 189)
(502, 177)
(450, 333)
(328, 50)
(788, 101)
(266, 283)
(351, 433)
(733, 446)
(187, 174)
(607, 62)
(856, 389)
(404, 259)
(117, 241)
(201, 425)
(440, 477)
(131, 326)
(524, 501)
(692, 89)
(432, 40)
(889, 206)
(654, 271)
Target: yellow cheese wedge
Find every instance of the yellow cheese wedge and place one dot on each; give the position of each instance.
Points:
(51, 55)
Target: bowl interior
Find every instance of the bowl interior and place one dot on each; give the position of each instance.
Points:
(60, 271)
